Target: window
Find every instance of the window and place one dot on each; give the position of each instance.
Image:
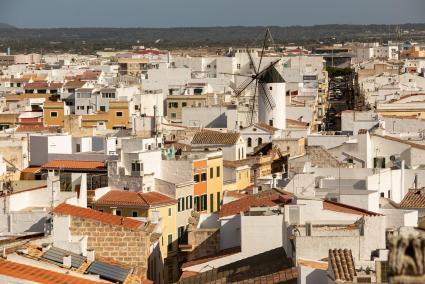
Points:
(181, 234)
(102, 108)
(184, 104)
(238, 66)
(135, 214)
(204, 202)
(173, 105)
(173, 115)
(170, 242)
(218, 200)
(271, 122)
(136, 107)
(118, 113)
(108, 95)
(80, 107)
(54, 114)
(188, 202)
(203, 176)
(136, 166)
(78, 148)
(208, 66)
(249, 142)
(118, 212)
(211, 173)
(196, 178)
(217, 172)
(197, 204)
(178, 205)
(211, 202)
(260, 141)
(182, 203)
(169, 211)
(270, 88)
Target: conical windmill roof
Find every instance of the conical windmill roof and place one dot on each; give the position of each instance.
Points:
(271, 76)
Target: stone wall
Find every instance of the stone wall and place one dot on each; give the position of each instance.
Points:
(204, 242)
(116, 180)
(130, 247)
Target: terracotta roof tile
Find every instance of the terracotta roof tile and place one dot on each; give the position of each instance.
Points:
(220, 254)
(268, 198)
(313, 263)
(208, 137)
(344, 208)
(38, 128)
(75, 211)
(129, 198)
(266, 127)
(75, 165)
(31, 170)
(415, 198)
(342, 264)
(38, 275)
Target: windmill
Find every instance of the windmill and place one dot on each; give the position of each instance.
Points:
(269, 89)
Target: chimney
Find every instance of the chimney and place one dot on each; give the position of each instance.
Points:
(66, 261)
(90, 255)
(416, 181)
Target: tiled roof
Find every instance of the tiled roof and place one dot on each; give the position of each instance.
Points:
(74, 84)
(37, 128)
(31, 170)
(296, 122)
(321, 265)
(342, 264)
(268, 267)
(220, 254)
(75, 165)
(42, 85)
(129, 198)
(344, 208)
(268, 198)
(415, 198)
(71, 210)
(38, 275)
(266, 127)
(208, 137)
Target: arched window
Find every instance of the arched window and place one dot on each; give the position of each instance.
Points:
(260, 141)
(249, 142)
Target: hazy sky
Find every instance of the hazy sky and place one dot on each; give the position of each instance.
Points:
(200, 13)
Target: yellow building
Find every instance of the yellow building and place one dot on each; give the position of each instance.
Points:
(133, 66)
(54, 113)
(237, 178)
(156, 207)
(116, 117)
(214, 181)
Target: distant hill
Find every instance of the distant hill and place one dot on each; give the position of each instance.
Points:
(6, 26)
(87, 40)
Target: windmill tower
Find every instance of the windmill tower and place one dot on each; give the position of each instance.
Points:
(273, 83)
(269, 90)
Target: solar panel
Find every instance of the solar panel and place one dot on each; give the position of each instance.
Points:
(56, 255)
(108, 271)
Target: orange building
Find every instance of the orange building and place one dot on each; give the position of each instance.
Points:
(117, 116)
(200, 184)
(54, 113)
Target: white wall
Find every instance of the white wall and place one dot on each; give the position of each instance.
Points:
(230, 232)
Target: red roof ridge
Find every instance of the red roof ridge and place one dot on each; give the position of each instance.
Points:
(39, 275)
(71, 210)
(345, 208)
